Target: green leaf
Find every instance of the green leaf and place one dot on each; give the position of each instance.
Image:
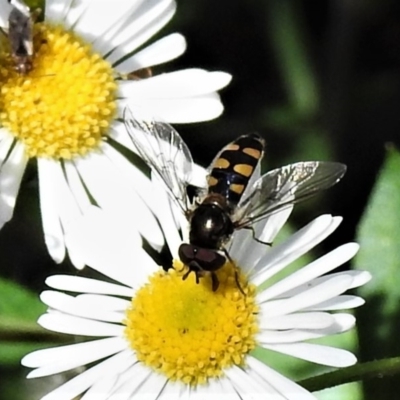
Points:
(12, 353)
(288, 35)
(18, 302)
(379, 236)
(19, 310)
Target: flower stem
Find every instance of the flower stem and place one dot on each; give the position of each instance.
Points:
(361, 371)
(16, 330)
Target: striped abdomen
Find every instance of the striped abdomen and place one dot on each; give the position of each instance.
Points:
(232, 168)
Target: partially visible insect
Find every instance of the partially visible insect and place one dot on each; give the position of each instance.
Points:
(20, 35)
(139, 74)
(234, 198)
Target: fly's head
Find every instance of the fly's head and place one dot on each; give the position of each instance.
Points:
(201, 261)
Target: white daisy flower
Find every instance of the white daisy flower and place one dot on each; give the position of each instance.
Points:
(65, 112)
(152, 335)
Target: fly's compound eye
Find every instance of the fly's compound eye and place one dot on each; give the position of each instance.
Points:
(187, 253)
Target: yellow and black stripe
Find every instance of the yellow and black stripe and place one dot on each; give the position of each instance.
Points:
(233, 167)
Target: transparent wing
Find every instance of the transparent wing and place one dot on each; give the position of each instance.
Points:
(162, 148)
(285, 186)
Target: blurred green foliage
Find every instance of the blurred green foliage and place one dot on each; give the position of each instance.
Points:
(378, 234)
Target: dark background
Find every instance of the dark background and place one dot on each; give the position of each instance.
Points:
(320, 80)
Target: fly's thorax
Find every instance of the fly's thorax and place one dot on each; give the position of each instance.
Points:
(210, 225)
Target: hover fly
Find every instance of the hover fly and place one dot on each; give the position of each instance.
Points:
(20, 35)
(235, 197)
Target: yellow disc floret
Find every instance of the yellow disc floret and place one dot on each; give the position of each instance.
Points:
(64, 106)
(188, 332)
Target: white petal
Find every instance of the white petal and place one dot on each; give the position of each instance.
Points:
(6, 141)
(248, 386)
(113, 37)
(101, 389)
(314, 295)
(186, 83)
(79, 307)
(5, 134)
(87, 285)
(105, 43)
(148, 19)
(265, 338)
(50, 356)
(75, 11)
(278, 257)
(68, 391)
(53, 233)
(64, 323)
(246, 251)
(76, 258)
(199, 176)
(133, 175)
(12, 169)
(101, 16)
(213, 390)
(172, 391)
(343, 322)
(316, 353)
(119, 133)
(273, 224)
(65, 203)
(313, 270)
(181, 110)
(166, 218)
(289, 389)
(165, 49)
(114, 194)
(76, 185)
(340, 323)
(5, 9)
(56, 10)
(112, 247)
(342, 302)
(151, 388)
(229, 391)
(69, 210)
(54, 361)
(241, 242)
(105, 302)
(135, 377)
(148, 192)
(359, 278)
(249, 253)
(309, 320)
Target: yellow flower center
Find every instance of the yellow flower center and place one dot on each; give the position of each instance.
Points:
(64, 106)
(188, 332)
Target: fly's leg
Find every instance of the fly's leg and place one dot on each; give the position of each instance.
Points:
(215, 281)
(185, 276)
(236, 270)
(250, 228)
